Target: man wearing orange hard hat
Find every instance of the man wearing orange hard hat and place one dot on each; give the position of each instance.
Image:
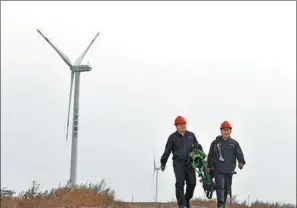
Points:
(222, 156)
(179, 144)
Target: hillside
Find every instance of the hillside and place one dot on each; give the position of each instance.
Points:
(98, 196)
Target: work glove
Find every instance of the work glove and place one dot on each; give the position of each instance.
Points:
(240, 166)
(162, 167)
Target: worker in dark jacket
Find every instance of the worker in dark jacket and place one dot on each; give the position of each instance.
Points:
(222, 156)
(179, 143)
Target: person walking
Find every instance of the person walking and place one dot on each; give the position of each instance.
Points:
(222, 156)
(179, 144)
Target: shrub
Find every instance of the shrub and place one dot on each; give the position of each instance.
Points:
(83, 194)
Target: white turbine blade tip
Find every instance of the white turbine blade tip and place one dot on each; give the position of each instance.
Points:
(81, 57)
(63, 56)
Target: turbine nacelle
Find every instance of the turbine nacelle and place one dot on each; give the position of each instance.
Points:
(81, 68)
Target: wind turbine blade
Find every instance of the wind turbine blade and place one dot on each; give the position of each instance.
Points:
(70, 96)
(154, 159)
(152, 179)
(79, 60)
(153, 176)
(63, 56)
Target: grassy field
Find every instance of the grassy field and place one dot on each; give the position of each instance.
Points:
(98, 196)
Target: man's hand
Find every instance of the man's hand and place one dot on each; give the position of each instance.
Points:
(162, 167)
(240, 166)
(208, 170)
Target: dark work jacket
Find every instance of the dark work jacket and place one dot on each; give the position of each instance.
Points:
(230, 150)
(179, 146)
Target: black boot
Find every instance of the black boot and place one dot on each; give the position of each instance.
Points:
(187, 204)
(220, 204)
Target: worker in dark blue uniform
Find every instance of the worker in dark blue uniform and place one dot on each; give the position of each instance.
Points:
(179, 144)
(222, 156)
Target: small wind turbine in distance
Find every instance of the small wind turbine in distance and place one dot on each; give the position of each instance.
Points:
(156, 170)
(75, 69)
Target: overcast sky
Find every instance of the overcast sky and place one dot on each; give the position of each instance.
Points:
(206, 61)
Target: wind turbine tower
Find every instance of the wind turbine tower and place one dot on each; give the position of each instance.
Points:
(75, 69)
(156, 170)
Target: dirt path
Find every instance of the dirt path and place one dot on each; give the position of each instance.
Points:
(142, 205)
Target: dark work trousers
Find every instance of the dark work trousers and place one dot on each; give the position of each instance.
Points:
(184, 172)
(223, 187)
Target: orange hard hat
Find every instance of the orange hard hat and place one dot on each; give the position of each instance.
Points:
(226, 124)
(179, 120)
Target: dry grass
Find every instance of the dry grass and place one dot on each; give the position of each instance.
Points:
(99, 196)
(86, 195)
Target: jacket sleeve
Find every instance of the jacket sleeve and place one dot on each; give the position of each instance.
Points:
(196, 142)
(167, 151)
(210, 155)
(239, 154)
(195, 139)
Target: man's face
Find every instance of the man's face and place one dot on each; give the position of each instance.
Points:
(226, 132)
(181, 127)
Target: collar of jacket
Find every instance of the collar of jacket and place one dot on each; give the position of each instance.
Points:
(221, 138)
(179, 134)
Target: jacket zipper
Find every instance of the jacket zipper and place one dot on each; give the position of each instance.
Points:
(184, 147)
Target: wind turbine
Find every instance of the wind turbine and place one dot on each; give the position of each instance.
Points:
(75, 69)
(156, 169)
